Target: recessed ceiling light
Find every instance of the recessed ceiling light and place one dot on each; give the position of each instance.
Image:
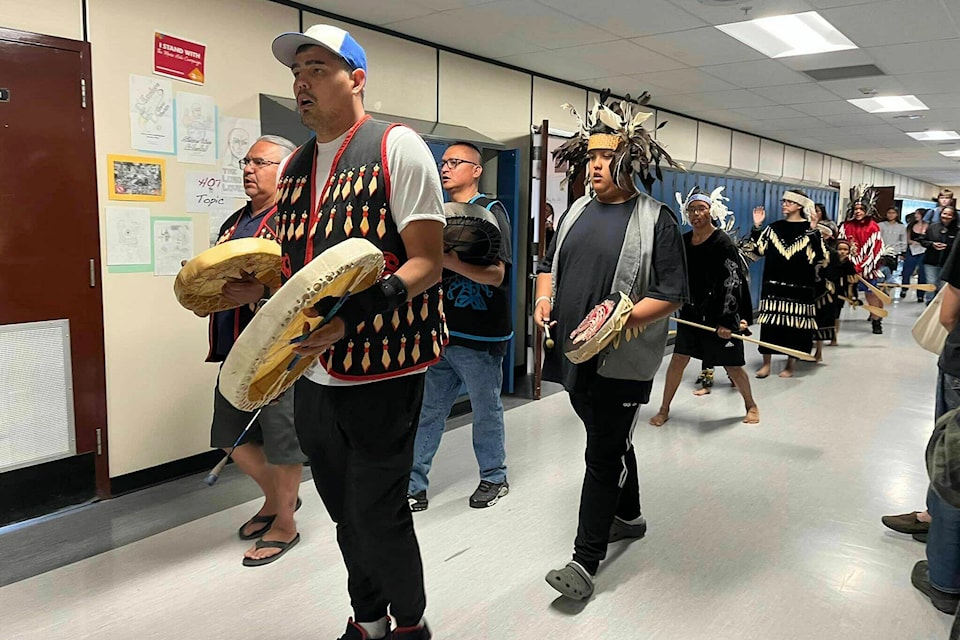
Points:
(889, 104)
(951, 154)
(797, 34)
(928, 136)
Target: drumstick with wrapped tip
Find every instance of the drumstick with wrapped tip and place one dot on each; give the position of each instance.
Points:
(877, 311)
(549, 343)
(214, 474)
(884, 298)
(793, 353)
(926, 286)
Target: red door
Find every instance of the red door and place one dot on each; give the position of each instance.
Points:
(49, 240)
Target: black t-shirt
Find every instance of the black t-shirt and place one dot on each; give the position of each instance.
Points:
(950, 356)
(478, 315)
(585, 275)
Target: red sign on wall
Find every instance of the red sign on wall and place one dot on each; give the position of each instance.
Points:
(177, 58)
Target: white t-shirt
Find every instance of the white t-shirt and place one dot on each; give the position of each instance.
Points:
(415, 194)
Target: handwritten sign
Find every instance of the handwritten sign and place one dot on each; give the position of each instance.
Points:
(178, 58)
(204, 192)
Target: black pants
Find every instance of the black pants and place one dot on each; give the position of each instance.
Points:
(359, 440)
(610, 485)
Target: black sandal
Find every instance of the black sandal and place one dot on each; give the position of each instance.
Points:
(271, 544)
(266, 521)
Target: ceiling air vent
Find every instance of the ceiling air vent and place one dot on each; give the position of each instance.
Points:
(845, 73)
(724, 3)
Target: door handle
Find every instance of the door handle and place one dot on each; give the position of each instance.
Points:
(93, 273)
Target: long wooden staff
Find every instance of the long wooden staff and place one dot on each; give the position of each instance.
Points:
(920, 287)
(884, 298)
(793, 353)
(877, 311)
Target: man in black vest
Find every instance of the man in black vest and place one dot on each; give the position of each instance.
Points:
(356, 415)
(477, 305)
(270, 452)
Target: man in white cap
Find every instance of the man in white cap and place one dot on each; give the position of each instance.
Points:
(356, 416)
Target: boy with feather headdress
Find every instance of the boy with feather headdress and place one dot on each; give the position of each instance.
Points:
(612, 240)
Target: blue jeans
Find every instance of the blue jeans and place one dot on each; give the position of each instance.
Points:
(482, 373)
(943, 541)
(913, 263)
(932, 273)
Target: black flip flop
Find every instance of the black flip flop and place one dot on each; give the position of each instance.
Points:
(267, 522)
(271, 544)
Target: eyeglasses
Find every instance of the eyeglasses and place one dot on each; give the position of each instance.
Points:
(258, 162)
(453, 163)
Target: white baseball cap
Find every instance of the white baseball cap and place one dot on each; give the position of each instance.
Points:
(327, 36)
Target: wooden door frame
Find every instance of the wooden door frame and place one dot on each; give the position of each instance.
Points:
(86, 442)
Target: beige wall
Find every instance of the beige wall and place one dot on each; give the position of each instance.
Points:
(159, 390)
(60, 18)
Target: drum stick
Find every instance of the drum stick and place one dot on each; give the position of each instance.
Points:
(793, 353)
(884, 298)
(877, 311)
(672, 332)
(214, 474)
(920, 287)
(549, 342)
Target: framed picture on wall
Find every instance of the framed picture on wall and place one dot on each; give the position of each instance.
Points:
(136, 178)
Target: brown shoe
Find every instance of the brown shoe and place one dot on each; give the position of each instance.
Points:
(906, 523)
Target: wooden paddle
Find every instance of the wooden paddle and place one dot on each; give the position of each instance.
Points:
(884, 298)
(920, 287)
(877, 311)
(793, 353)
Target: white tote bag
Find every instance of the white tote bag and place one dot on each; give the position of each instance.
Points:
(927, 330)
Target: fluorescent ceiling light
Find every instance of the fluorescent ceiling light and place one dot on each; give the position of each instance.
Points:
(951, 154)
(798, 34)
(927, 136)
(889, 104)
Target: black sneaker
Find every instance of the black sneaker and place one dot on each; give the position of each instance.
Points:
(877, 327)
(920, 578)
(418, 501)
(903, 293)
(419, 632)
(355, 631)
(488, 493)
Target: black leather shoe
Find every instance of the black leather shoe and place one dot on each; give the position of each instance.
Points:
(920, 578)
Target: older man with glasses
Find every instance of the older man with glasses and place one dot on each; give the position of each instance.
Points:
(270, 453)
(477, 307)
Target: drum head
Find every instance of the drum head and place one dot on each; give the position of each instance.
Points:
(262, 365)
(200, 281)
(472, 232)
(601, 327)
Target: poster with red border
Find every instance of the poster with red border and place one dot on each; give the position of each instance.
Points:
(177, 58)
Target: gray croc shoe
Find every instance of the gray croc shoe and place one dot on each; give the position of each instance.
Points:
(621, 530)
(572, 581)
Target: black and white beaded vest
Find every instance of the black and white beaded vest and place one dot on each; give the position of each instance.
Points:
(355, 203)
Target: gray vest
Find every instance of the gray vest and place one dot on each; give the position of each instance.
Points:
(640, 358)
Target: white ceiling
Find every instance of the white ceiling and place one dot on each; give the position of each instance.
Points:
(670, 48)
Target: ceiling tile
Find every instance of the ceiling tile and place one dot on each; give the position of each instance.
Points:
(622, 85)
(552, 64)
(503, 28)
(932, 82)
(370, 11)
(919, 57)
(937, 101)
(893, 22)
(850, 89)
(796, 93)
(696, 47)
(829, 4)
(851, 120)
(444, 5)
(757, 73)
(768, 113)
(835, 108)
(628, 18)
(723, 15)
(848, 58)
(732, 99)
(687, 81)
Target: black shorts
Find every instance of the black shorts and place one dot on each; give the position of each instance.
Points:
(708, 347)
(274, 429)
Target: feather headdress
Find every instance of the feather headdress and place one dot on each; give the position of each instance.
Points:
(617, 125)
(866, 196)
(722, 217)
